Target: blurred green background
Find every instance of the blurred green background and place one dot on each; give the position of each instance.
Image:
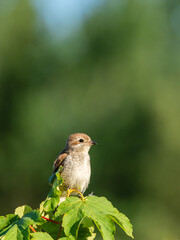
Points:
(116, 78)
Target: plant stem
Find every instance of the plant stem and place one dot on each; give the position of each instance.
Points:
(32, 228)
(50, 220)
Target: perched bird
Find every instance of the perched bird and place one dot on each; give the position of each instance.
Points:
(75, 162)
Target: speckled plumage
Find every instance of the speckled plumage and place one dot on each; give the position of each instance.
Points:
(76, 171)
(75, 161)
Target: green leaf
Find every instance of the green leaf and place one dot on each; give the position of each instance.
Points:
(30, 218)
(99, 209)
(102, 203)
(52, 178)
(53, 197)
(13, 234)
(6, 221)
(86, 230)
(41, 236)
(56, 180)
(20, 211)
(51, 204)
(52, 228)
(66, 238)
(72, 218)
(13, 225)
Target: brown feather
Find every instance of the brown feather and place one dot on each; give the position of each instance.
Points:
(59, 161)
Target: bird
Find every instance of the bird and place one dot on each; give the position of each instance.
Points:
(74, 161)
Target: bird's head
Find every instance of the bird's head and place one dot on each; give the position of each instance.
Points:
(79, 142)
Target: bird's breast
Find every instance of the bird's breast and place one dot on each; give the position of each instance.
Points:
(76, 172)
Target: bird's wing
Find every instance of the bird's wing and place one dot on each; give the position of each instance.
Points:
(59, 161)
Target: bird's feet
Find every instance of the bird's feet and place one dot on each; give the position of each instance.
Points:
(70, 190)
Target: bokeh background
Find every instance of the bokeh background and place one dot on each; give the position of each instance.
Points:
(110, 69)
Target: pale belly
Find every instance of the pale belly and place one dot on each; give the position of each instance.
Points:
(77, 175)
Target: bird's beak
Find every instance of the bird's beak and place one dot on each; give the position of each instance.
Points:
(93, 142)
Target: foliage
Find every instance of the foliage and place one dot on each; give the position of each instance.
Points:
(53, 197)
(15, 227)
(116, 79)
(78, 216)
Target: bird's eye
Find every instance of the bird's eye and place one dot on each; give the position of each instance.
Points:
(81, 140)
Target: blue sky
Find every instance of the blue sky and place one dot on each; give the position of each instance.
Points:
(64, 16)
